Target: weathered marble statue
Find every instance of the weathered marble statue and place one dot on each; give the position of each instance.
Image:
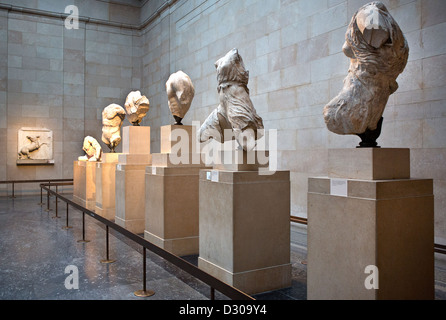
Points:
(235, 110)
(34, 145)
(378, 52)
(112, 119)
(136, 107)
(92, 149)
(180, 92)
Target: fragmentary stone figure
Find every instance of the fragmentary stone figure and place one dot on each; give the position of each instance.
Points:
(235, 111)
(378, 53)
(180, 93)
(136, 107)
(112, 119)
(35, 144)
(92, 149)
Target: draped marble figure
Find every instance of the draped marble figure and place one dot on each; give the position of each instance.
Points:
(378, 53)
(112, 119)
(235, 111)
(180, 93)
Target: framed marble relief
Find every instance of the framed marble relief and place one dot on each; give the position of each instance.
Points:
(35, 146)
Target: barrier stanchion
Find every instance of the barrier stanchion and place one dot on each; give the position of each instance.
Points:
(13, 195)
(144, 292)
(41, 197)
(107, 259)
(47, 201)
(56, 216)
(67, 226)
(83, 240)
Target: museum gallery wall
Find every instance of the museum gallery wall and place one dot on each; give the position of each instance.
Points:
(59, 79)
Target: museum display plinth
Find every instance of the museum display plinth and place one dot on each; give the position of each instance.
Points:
(245, 228)
(105, 185)
(130, 178)
(84, 183)
(172, 202)
(369, 212)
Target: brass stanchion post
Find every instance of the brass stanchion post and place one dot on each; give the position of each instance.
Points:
(47, 201)
(83, 240)
(67, 226)
(107, 259)
(56, 216)
(144, 292)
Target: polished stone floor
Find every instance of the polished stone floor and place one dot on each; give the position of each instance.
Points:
(35, 251)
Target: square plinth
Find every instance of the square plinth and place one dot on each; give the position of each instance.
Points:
(84, 183)
(172, 208)
(369, 163)
(387, 224)
(130, 197)
(244, 224)
(105, 185)
(179, 139)
(136, 140)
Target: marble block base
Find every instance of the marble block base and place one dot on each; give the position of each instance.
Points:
(356, 222)
(84, 183)
(105, 185)
(136, 140)
(244, 225)
(175, 138)
(369, 163)
(130, 197)
(172, 208)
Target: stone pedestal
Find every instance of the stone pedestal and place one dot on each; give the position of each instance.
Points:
(105, 185)
(171, 210)
(130, 178)
(369, 212)
(135, 140)
(245, 228)
(84, 183)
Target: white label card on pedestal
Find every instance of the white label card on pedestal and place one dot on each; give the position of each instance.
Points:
(154, 171)
(118, 167)
(338, 187)
(208, 175)
(215, 176)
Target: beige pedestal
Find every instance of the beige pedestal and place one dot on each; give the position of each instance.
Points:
(130, 179)
(105, 185)
(172, 208)
(355, 221)
(245, 229)
(84, 183)
(135, 140)
(172, 192)
(175, 138)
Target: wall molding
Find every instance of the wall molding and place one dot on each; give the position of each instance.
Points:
(63, 16)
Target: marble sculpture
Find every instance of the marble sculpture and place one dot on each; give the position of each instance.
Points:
(33, 145)
(180, 93)
(136, 107)
(92, 149)
(378, 53)
(112, 119)
(235, 111)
